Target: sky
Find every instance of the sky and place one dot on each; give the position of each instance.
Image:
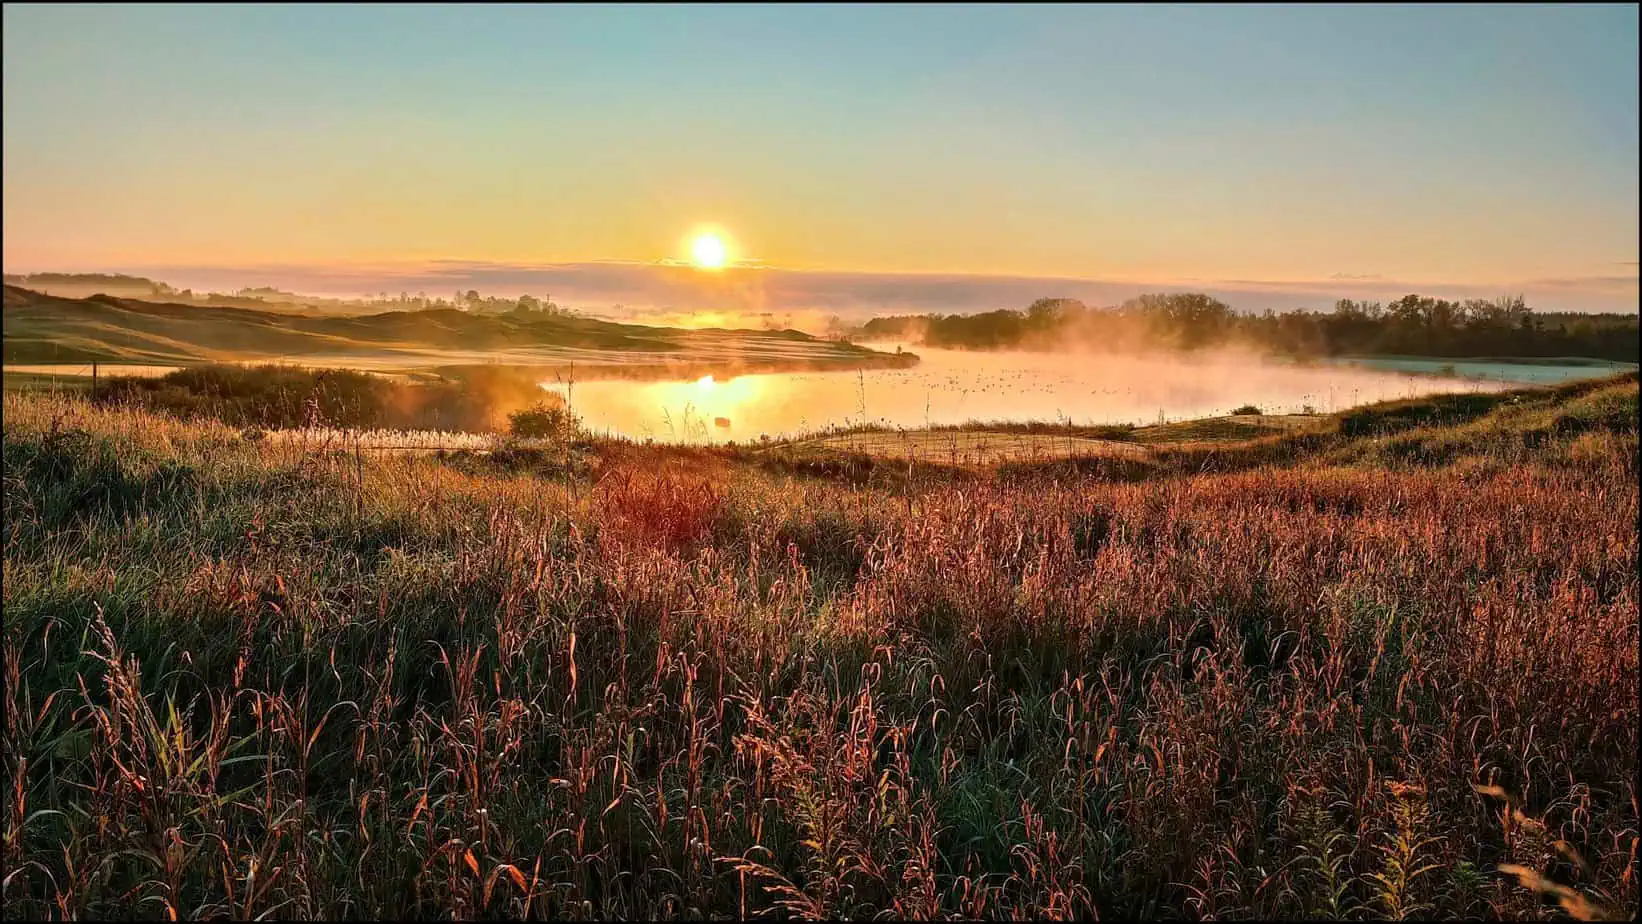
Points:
(862, 158)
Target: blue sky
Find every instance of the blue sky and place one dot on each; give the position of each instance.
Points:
(1482, 146)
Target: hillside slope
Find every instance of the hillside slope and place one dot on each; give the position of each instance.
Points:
(47, 329)
(1478, 429)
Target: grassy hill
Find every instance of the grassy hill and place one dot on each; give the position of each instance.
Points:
(1303, 675)
(43, 329)
(1478, 429)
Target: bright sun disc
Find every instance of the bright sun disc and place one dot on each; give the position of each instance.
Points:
(708, 251)
(704, 382)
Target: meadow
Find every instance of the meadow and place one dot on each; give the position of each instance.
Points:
(1379, 665)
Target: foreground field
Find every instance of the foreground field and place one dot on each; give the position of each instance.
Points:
(1384, 665)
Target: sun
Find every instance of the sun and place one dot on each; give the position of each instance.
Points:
(708, 251)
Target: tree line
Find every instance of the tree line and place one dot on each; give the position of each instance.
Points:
(1411, 325)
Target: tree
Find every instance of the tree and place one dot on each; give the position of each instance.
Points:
(1046, 313)
(1188, 318)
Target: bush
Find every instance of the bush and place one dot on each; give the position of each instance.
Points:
(542, 421)
(1246, 409)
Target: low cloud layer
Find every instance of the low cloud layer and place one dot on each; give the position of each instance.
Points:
(650, 289)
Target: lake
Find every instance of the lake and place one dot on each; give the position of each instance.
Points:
(953, 387)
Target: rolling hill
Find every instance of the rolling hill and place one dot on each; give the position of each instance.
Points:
(43, 328)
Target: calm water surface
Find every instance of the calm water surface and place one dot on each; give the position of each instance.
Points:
(951, 387)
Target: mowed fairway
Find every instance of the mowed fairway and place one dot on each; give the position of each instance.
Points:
(982, 445)
(965, 447)
(1227, 429)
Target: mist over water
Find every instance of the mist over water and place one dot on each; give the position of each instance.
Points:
(953, 387)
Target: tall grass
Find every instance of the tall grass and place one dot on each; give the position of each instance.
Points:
(244, 679)
(288, 396)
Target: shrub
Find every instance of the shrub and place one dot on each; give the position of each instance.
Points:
(1246, 409)
(542, 421)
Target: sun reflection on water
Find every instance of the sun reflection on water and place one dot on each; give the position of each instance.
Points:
(953, 388)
